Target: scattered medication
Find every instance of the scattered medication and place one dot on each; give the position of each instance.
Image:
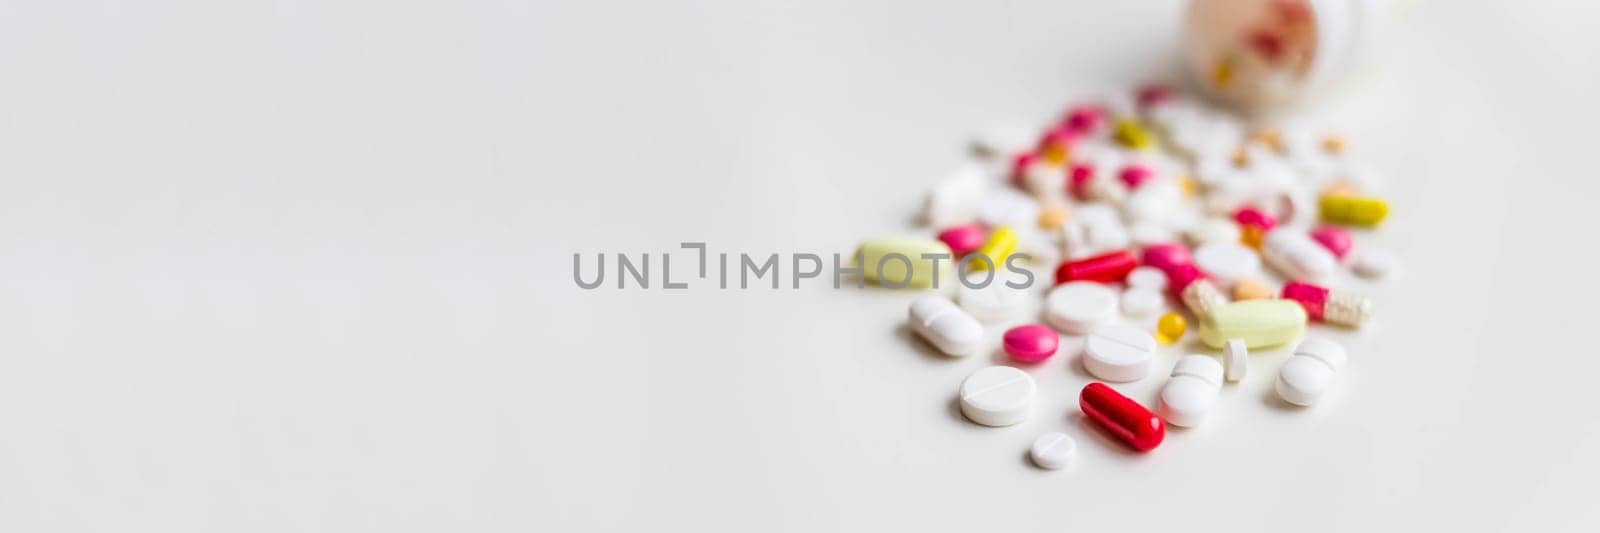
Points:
(1191, 391)
(1110, 267)
(1080, 307)
(1235, 359)
(963, 239)
(1118, 353)
(1259, 323)
(1310, 372)
(1031, 343)
(945, 326)
(1297, 257)
(897, 262)
(1227, 262)
(1251, 217)
(1052, 451)
(1334, 307)
(1002, 242)
(1335, 239)
(1213, 230)
(1196, 292)
(1170, 328)
(998, 396)
(1353, 210)
(1122, 417)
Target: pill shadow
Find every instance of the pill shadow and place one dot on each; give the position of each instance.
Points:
(1270, 398)
(953, 409)
(1076, 366)
(921, 345)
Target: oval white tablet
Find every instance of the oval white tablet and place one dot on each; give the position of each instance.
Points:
(1118, 353)
(1310, 372)
(1140, 302)
(1147, 277)
(997, 396)
(1235, 359)
(1079, 307)
(1052, 450)
(944, 325)
(1373, 263)
(1189, 395)
(1228, 262)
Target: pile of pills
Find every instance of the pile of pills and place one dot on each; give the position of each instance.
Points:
(1141, 207)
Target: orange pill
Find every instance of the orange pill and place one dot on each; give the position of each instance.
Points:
(1251, 236)
(1053, 217)
(1338, 188)
(1251, 289)
(1333, 144)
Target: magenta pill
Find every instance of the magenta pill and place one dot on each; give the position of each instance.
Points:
(963, 239)
(1167, 256)
(1334, 238)
(1031, 343)
(1135, 175)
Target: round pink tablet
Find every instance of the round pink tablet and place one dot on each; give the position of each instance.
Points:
(963, 239)
(1334, 238)
(1031, 343)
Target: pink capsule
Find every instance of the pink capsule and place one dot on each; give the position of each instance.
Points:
(1334, 238)
(1251, 217)
(963, 239)
(1084, 118)
(1031, 343)
(1333, 307)
(1080, 174)
(1167, 256)
(1020, 165)
(1135, 175)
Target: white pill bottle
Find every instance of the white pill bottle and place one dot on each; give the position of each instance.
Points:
(1263, 54)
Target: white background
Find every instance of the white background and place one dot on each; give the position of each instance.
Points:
(306, 266)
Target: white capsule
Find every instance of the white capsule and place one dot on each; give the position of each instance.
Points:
(945, 326)
(1310, 372)
(1213, 229)
(1118, 353)
(1236, 359)
(1005, 206)
(1052, 450)
(1140, 302)
(1192, 390)
(1227, 262)
(1296, 256)
(1079, 307)
(955, 199)
(995, 301)
(997, 396)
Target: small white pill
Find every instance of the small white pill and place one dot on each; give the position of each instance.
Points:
(1373, 263)
(1140, 302)
(1148, 277)
(1118, 353)
(1227, 262)
(997, 396)
(1192, 390)
(996, 301)
(1310, 372)
(1052, 450)
(1079, 307)
(1236, 357)
(945, 326)
(1214, 229)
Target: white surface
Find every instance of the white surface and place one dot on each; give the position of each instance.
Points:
(306, 266)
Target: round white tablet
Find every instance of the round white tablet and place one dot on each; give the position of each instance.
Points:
(1052, 450)
(1373, 263)
(1140, 302)
(1148, 277)
(997, 396)
(1189, 395)
(1228, 262)
(1235, 358)
(1079, 307)
(1118, 353)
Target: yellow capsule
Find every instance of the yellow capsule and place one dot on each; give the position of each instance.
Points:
(1353, 210)
(1260, 323)
(906, 267)
(1002, 241)
(1170, 328)
(1132, 135)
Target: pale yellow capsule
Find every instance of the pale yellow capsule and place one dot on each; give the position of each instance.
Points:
(1170, 328)
(1353, 210)
(1002, 241)
(1261, 323)
(898, 262)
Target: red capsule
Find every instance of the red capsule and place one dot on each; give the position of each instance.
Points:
(1256, 218)
(1334, 307)
(1124, 418)
(1110, 267)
